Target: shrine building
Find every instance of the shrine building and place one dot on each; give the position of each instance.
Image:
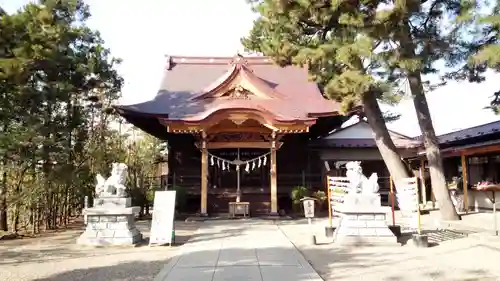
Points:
(238, 129)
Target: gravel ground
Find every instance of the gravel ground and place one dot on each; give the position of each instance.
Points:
(56, 257)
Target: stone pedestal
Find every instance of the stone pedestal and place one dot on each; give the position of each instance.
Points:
(363, 222)
(111, 222)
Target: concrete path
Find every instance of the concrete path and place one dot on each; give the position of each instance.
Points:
(238, 251)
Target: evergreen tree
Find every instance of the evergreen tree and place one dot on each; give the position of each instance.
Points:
(57, 82)
(357, 50)
(479, 51)
(325, 37)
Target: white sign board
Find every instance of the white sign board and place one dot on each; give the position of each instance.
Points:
(308, 208)
(407, 197)
(162, 223)
(337, 186)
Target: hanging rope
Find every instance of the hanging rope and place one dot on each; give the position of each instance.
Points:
(250, 164)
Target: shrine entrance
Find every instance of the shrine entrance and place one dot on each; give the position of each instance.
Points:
(239, 158)
(239, 171)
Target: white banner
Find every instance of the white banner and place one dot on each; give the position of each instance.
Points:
(162, 223)
(407, 197)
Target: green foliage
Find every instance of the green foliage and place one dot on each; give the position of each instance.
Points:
(345, 46)
(180, 198)
(325, 38)
(298, 193)
(57, 83)
(320, 195)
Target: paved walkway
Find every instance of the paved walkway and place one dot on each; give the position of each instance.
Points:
(238, 251)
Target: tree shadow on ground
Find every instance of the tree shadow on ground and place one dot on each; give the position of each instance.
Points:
(128, 271)
(447, 258)
(267, 264)
(347, 264)
(331, 261)
(62, 246)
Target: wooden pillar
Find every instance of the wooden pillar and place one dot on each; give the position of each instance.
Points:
(423, 189)
(465, 180)
(274, 178)
(204, 175)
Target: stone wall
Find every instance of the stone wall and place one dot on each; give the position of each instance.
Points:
(110, 230)
(364, 228)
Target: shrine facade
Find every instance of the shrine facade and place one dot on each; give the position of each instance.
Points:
(238, 129)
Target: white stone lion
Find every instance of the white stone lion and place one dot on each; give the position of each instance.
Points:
(359, 182)
(114, 185)
(99, 187)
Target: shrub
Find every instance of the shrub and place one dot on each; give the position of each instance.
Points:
(298, 193)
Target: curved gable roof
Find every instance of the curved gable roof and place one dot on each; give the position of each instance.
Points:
(187, 78)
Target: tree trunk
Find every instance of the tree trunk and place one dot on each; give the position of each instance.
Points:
(433, 154)
(436, 170)
(3, 201)
(386, 146)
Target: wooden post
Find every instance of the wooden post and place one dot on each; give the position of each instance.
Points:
(391, 190)
(329, 198)
(419, 221)
(274, 179)
(464, 179)
(204, 176)
(422, 181)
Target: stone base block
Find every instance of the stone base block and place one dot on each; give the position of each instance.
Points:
(111, 211)
(112, 202)
(420, 240)
(107, 241)
(107, 229)
(364, 229)
(396, 229)
(329, 230)
(362, 200)
(109, 237)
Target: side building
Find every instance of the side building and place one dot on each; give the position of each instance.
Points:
(355, 142)
(472, 156)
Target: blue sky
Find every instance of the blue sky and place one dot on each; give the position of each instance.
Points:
(143, 32)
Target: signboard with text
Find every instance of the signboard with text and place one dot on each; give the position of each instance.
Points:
(308, 208)
(407, 198)
(162, 224)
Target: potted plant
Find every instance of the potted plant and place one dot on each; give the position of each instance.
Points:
(298, 193)
(320, 195)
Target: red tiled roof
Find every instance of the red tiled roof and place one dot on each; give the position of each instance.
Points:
(188, 79)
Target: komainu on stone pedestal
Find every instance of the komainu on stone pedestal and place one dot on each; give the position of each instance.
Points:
(111, 221)
(363, 218)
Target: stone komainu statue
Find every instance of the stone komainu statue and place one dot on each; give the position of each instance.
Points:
(359, 182)
(115, 184)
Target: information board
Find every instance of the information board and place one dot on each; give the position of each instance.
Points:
(162, 223)
(337, 189)
(308, 208)
(407, 197)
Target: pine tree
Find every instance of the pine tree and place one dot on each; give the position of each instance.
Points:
(421, 42)
(324, 37)
(51, 63)
(480, 50)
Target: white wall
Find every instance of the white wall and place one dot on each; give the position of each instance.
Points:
(359, 131)
(354, 154)
(479, 199)
(357, 154)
